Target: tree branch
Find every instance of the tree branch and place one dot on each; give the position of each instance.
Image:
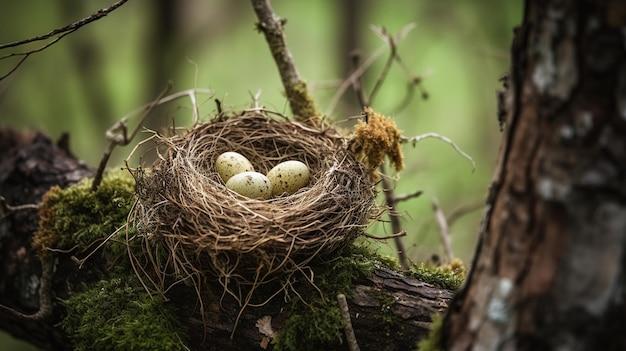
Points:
(394, 217)
(444, 230)
(406, 197)
(348, 330)
(30, 168)
(58, 33)
(271, 26)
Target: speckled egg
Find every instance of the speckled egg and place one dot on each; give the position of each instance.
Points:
(230, 163)
(251, 184)
(288, 177)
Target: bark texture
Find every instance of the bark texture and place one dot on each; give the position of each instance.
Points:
(550, 270)
(31, 164)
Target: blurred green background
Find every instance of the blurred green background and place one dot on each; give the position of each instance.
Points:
(94, 76)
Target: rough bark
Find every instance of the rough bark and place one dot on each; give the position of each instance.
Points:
(271, 26)
(550, 269)
(30, 164)
(409, 302)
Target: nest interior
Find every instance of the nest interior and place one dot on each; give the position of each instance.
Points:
(185, 210)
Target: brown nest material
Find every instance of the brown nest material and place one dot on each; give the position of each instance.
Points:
(191, 224)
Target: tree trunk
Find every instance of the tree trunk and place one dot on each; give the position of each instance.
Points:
(549, 272)
(31, 164)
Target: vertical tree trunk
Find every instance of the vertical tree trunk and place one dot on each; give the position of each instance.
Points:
(162, 56)
(86, 55)
(550, 266)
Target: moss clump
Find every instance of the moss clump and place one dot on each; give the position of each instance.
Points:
(432, 342)
(317, 325)
(113, 315)
(450, 276)
(77, 216)
(378, 137)
(302, 103)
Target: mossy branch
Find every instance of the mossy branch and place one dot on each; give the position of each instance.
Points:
(300, 101)
(78, 218)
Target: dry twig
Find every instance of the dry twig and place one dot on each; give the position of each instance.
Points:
(463, 210)
(118, 135)
(386, 237)
(356, 83)
(416, 139)
(393, 52)
(58, 34)
(8, 208)
(444, 230)
(360, 71)
(347, 323)
(406, 197)
(394, 217)
(45, 293)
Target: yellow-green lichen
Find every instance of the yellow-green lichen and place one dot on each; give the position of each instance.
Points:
(377, 138)
(302, 103)
(449, 276)
(432, 342)
(78, 217)
(317, 325)
(119, 315)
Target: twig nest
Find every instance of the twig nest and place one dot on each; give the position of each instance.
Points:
(250, 184)
(230, 163)
(288, 177)
(185, 210)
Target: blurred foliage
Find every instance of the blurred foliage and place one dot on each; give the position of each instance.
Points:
(94, 76)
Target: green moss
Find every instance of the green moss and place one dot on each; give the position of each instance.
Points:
(388, 319)
(302, 103)
(433, 341)
(450, 276)
(317, 325)
(117, 315)
(107, 313)
(77, 216)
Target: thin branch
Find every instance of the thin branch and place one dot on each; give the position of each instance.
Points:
(45, 294)
(356, 74)
(444, 230)
(59, 33)
(271, 26)
(392, 236)
(406, 197)
(356, 82)
(393, 52)
(394, 217)
(413, 81)
(256, 98)
(364, 67)
(218, 106)
(71, 27)
(8, 208)
(347, 323)
(118, 133)
(26, 55)
(390, 198)
(411, 85)
(463, 210)
(416, 139)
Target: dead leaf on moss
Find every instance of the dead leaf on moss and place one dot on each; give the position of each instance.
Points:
(264, 324)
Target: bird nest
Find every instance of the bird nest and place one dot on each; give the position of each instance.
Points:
(191, 224)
